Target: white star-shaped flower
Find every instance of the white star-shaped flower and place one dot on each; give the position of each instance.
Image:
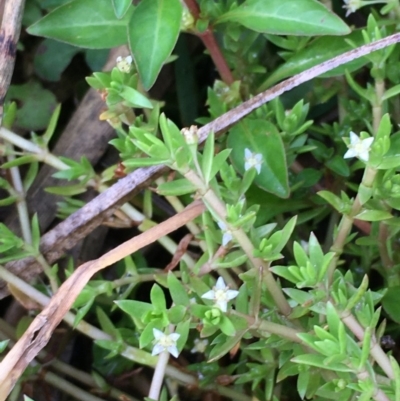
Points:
(227, 234)
(351, 6)
(359, 147)
(221, 295)
(252, 160)
(165, 342)
(124, 64)
(199, 346)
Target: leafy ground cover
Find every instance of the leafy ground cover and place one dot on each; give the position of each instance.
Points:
(200, 200)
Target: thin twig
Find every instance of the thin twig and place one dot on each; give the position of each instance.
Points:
(39, 332)
(9, 35)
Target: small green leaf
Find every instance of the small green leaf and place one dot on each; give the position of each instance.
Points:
(86, 23)
(287, 17)
(207, 159)
(319, 362)
(105, 323)
(178, 292)
(158, 298)
(176, 314)
(135, 309)
(176, 188)
(224, 347)
(3, 345)
(135, 98)
(153, 31)
(35, 232)
(373, 215)
(332, 199)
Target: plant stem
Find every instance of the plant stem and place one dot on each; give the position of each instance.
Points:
(213, 203)
(208, 39)
(376, 351)
(158, 376)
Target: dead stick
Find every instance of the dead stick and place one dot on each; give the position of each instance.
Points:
(39, 332)
(9, 35)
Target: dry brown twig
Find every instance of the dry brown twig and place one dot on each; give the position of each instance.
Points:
(39, 332)
(9, 35)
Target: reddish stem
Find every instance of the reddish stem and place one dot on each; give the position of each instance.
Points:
(208, 39)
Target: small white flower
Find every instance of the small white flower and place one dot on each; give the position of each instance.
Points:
(252, 160)
(351, 6)
(359, 147)
(165, 342)
(124, 64)
(190, 135)
(221, 295)
(199, 346)
(227, 234)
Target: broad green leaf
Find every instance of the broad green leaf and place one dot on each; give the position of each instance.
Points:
(261, 137)
(52, 58)
(320, 50)
(153, 31)
(391, 302)
(36, 105)
(287, 17)
(84, 23)
(121, 7)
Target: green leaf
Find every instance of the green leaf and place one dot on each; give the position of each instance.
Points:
(319, 362)
(36, 105)
(261, 137)
(3, 345)
(207, 159)
(183, 329)
(224, 347)
(177, 290)
(135, 309)
(153, 31)
(391, 302)
(105, 323)
(176, 188)
(373, 215)
(85, 23)
(35, 232)
(318, 51)
(158, 298)
(52, 58)
(135, 98)
(227, 326)
(287, 17)
(176, 314)
(121, 7)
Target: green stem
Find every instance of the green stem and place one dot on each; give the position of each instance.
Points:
(376, 351)
(218, 208)
(347, 223)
